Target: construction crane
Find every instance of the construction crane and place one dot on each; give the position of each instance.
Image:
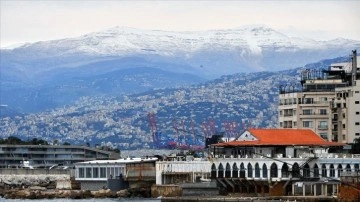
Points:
(231, 128)
(185, 136)
(153, 127)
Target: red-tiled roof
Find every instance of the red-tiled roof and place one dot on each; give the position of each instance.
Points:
(300, 137)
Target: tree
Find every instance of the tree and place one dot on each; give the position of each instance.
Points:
(355, 147)
(13, 140)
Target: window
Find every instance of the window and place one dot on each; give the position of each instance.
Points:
(81, 173)
(295, 124)
(323, 171)
(309, 100)
(357, 113)
(102, 172)
(323, 111)
(323, 136)
(95, 172)
(332, 171)
(357, 123)
(357, 102)
(88, 172)
(294, 112)
(281, 113)
(323, 99)
(343, 126)
(307, 124)
(323, 125)
(250, 170)
(281, 124)
(357, 134)
(307, 112)
(344, 137)
(356, 91)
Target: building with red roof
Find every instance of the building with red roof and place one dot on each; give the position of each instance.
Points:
(280, 162)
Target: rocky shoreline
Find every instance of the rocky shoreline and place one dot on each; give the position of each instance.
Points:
(31, 193)
(57, 186)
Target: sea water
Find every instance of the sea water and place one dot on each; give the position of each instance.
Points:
(83, 200)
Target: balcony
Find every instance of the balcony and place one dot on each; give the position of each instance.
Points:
(314, 115)
(323, 127)
(316, 103)
(287, 115)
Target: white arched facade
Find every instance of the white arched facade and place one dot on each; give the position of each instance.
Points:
(232, 168)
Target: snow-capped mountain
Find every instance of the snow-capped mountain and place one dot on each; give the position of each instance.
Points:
(217, 52)
(103, 61)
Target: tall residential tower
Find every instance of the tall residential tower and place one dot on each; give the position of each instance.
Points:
(328, 102)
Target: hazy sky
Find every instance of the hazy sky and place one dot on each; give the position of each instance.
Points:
(30, 21)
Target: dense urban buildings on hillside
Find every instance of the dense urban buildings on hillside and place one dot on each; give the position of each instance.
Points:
(328, 102)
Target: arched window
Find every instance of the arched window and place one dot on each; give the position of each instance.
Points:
(257, 170)
(221, 171)
(264, 171)
(323, 171)
(250, 170)
(348, 168)
(356, 167)
(228, 171)
(242, 170)
(235, 171)
(306, 170)
(316, 171)
(296, 170)
(285, 170)
(273, 170)
(340, 170)
(332, 170)
(213, 171)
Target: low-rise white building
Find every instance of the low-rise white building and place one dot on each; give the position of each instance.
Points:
(177, 172)
(94, 175)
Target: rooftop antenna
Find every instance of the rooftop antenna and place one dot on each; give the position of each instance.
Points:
(354, 68)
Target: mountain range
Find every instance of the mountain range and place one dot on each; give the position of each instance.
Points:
(121, 61)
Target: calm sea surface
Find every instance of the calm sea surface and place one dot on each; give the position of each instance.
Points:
(83, 200)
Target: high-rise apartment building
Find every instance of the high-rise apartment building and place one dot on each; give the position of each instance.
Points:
(326, 103)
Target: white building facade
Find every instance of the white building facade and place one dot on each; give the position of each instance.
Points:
(326, 104)
(178, 172)
(346, 113)
(280, 161)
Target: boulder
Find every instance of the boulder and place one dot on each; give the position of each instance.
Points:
(123, 193)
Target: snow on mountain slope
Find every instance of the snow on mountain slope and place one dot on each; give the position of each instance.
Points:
(213, 52)
(123, 41)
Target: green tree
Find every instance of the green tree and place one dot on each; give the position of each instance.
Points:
(355, 147)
